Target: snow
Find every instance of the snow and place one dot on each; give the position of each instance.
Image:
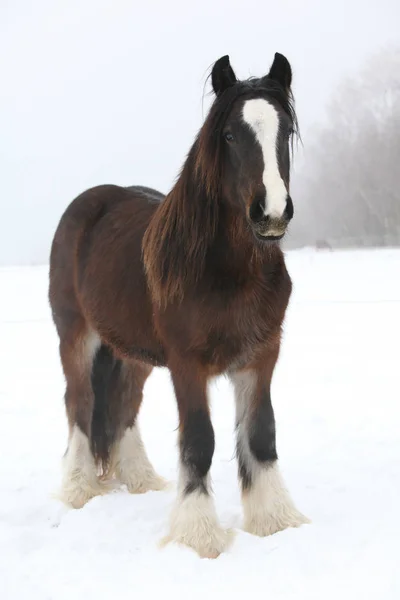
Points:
(336, 398)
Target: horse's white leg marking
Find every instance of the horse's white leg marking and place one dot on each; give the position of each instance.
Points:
(90, 344)
(194, 522)
(79, 482)
(132, 465)
(263, 120)
(267, 504)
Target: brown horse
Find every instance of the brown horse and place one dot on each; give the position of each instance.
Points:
(196, 282)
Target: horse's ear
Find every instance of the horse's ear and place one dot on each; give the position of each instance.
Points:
(222, 75)
(281, 71)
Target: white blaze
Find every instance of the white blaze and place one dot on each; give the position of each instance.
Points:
(263, 120)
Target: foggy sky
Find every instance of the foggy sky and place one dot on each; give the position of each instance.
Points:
(112, 92)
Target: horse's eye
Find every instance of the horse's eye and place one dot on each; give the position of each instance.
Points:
(228, 136)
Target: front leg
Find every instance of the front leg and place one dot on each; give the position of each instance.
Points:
(194, 521)
(267, 505)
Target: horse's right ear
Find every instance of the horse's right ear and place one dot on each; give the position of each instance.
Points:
(222, 75)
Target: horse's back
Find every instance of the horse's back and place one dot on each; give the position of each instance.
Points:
(151, 195)
(96, 268)
(83, 215)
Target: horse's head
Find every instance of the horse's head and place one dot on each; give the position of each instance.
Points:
(254, 121)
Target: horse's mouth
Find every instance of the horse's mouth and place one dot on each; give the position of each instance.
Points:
(269, 236)
(270, 229)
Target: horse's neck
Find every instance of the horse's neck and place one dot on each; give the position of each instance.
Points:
(234, 248)
(193, 237)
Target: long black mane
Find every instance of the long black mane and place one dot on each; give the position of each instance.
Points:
(177, 240)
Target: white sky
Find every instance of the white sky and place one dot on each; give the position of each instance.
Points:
(102, 91)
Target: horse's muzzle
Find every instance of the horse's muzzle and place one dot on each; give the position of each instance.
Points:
(269, 228)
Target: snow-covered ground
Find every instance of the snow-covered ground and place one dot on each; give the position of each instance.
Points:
(336, 397)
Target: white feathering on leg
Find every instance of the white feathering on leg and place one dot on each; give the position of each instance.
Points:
(79, 481)
(267, 505)
(194, 523)
(132, 466)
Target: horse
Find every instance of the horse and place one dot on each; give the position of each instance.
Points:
(194, 281)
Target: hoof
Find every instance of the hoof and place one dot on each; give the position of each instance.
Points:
(268, 507)
(194, 524)
(78, 492)
(154, 484)
(264, 524)
(131, 465)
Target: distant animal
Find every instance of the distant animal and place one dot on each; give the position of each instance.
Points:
(323, 245)
(194, 281)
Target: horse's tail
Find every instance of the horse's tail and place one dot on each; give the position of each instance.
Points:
(105, 373)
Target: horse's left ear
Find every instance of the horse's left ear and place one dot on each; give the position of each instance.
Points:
(281, 71)
(222, 75)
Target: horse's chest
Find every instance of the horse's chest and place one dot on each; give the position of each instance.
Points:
(228, 326)
(237, 333)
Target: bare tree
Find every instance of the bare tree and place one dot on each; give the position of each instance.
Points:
(349, 189)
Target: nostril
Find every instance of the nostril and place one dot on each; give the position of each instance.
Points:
(289, 210)
(257, 212)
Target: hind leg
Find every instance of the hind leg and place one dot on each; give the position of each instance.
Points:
(129, 460)
(79, 481)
